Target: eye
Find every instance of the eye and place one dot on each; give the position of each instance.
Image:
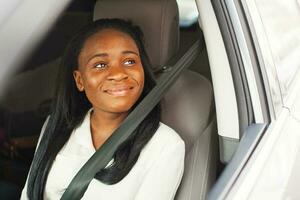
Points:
(101, 65)
(129, 62)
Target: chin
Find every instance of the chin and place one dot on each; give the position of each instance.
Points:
(119, 108)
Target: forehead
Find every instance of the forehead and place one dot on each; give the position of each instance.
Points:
(109, 38)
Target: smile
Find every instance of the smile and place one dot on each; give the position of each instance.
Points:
(119, 91)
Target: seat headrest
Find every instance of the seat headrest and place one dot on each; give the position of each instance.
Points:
(158, 20)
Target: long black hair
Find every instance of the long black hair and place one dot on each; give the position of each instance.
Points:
(70, 107)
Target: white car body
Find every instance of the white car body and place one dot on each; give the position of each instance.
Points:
(270, 171)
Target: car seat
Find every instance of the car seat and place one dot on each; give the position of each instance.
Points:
(188, 106)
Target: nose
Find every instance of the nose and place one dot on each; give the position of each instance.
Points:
(117, 73)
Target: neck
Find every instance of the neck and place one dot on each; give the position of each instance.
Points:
(103, 124)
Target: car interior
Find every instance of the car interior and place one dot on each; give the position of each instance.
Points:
(188, 106)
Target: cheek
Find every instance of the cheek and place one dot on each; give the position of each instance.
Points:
(92, 82)
(92, 86)
(142, 81)
(140, 78)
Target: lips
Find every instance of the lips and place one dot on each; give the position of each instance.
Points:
(119, 90)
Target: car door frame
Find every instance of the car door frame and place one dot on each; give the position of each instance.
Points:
(246, 66)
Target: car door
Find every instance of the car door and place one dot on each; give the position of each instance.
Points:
(264, 36)
(271, 172)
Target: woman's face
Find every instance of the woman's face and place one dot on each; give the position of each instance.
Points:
(110, 71)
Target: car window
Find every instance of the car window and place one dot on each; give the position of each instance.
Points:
(188, 13)
(282, 28)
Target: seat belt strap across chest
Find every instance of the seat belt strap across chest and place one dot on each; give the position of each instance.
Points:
(104, 154)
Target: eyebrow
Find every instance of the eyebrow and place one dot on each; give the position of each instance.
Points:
(130, 52)
(98, 55)
(106, 54)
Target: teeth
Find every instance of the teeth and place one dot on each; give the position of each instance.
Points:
(119, 92)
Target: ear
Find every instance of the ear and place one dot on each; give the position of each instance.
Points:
(78, 80)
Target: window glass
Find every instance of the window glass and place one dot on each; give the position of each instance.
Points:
(281, 21)
(188, 13)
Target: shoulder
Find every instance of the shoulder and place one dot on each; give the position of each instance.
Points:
(164, 141)
(167, 135)
(165, 148)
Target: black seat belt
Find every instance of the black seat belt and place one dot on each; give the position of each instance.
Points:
(104, 154)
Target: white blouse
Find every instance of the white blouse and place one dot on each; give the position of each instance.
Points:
(156, 174)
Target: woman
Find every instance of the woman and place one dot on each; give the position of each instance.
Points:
(104, 74)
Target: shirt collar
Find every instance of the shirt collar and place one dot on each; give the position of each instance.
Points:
(82, 134)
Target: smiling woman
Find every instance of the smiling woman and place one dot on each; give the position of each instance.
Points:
(111, 73)
(104, 74)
